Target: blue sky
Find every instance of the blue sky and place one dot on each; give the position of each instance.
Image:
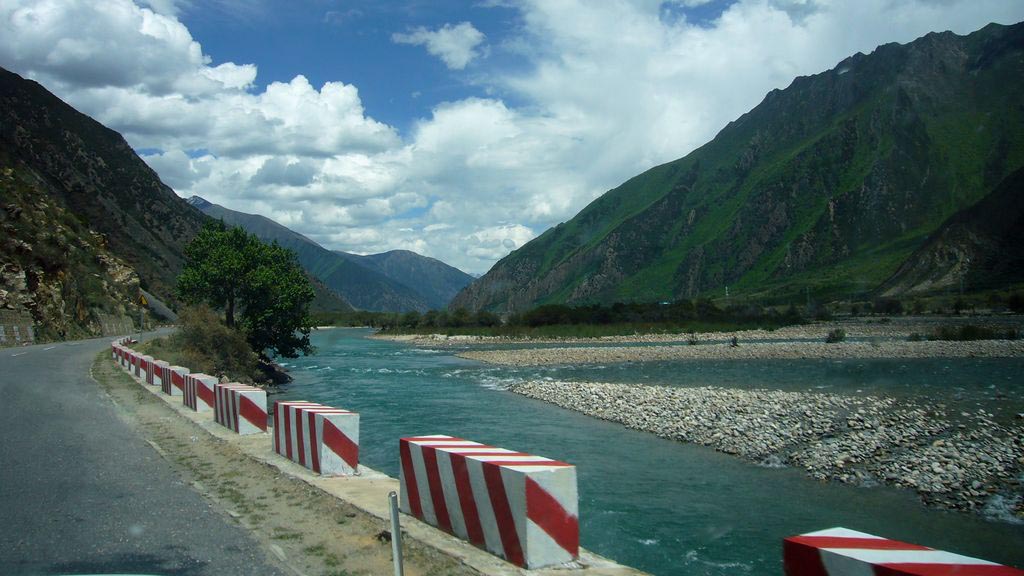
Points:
(326, 41)
(459, 130)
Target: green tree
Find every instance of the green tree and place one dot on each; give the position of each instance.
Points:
(260, 287)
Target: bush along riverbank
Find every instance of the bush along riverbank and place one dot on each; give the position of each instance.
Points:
(961, 461)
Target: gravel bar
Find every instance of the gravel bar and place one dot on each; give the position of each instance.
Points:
(753, 351)
(963, 461)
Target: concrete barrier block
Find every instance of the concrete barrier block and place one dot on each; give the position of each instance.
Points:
(520, 507)
(240, 408)
(177, 374)
(844, 552)
(160, 371)
(199, 392)
(321, 438)
(137, 367)
(146, 372)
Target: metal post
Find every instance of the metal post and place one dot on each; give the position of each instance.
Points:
(396, 534)
(140, 322)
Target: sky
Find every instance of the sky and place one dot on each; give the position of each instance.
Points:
(456, 129)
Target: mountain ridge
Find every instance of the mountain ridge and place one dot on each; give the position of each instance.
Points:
(826, 187)
(395, 281)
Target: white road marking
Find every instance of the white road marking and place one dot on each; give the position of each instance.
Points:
(19, 354)
(50, 348)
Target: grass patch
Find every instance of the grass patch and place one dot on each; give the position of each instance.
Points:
(285, 534)
(969, 332)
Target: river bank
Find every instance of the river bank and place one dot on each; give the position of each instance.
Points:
(882, 328)
(749, 351)
(961, 461)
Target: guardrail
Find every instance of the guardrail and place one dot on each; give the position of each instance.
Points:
(517, 506)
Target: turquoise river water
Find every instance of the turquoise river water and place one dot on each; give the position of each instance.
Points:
(658, 505)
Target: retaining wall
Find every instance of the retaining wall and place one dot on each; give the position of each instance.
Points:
(16, 329)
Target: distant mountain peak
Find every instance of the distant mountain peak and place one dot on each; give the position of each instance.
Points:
(199, 202)
(395, 281)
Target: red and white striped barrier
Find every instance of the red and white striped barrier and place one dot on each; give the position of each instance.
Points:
(843, 552)
(199, 392)
(126, 358)
(240, 408)
(520, 507)
(147, 369)
(137, 365)
(160, 370)
(321, 438)
(175, 385)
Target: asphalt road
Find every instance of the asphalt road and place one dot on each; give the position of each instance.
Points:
(82, 493)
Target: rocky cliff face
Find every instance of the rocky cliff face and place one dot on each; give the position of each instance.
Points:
(54, 268)
(89, 171)
(828, 186)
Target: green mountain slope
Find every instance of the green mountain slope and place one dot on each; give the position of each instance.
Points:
(828, 186)
(391, 282)
(978, 248)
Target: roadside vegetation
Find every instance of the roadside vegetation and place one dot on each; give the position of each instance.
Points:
(248, 304)
(203, 343)
(971, 332)
(559, 321)
(686, 317)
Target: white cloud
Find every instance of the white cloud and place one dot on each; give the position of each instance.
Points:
(608, 90)
(454, 45)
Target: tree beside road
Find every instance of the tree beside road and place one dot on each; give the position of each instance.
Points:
(262, 290)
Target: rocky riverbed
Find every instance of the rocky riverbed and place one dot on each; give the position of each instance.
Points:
(956, 460)
(759, 350)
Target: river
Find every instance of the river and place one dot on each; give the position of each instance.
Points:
(659, 505)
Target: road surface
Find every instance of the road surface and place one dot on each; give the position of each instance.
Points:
(81, 492)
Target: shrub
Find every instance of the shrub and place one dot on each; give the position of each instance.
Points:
(204, 343)
(915, 337)
(834, 336)
(1016, 303)
(963, 333)
(888, 306)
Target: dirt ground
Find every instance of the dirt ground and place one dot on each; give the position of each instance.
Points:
(308, 531)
